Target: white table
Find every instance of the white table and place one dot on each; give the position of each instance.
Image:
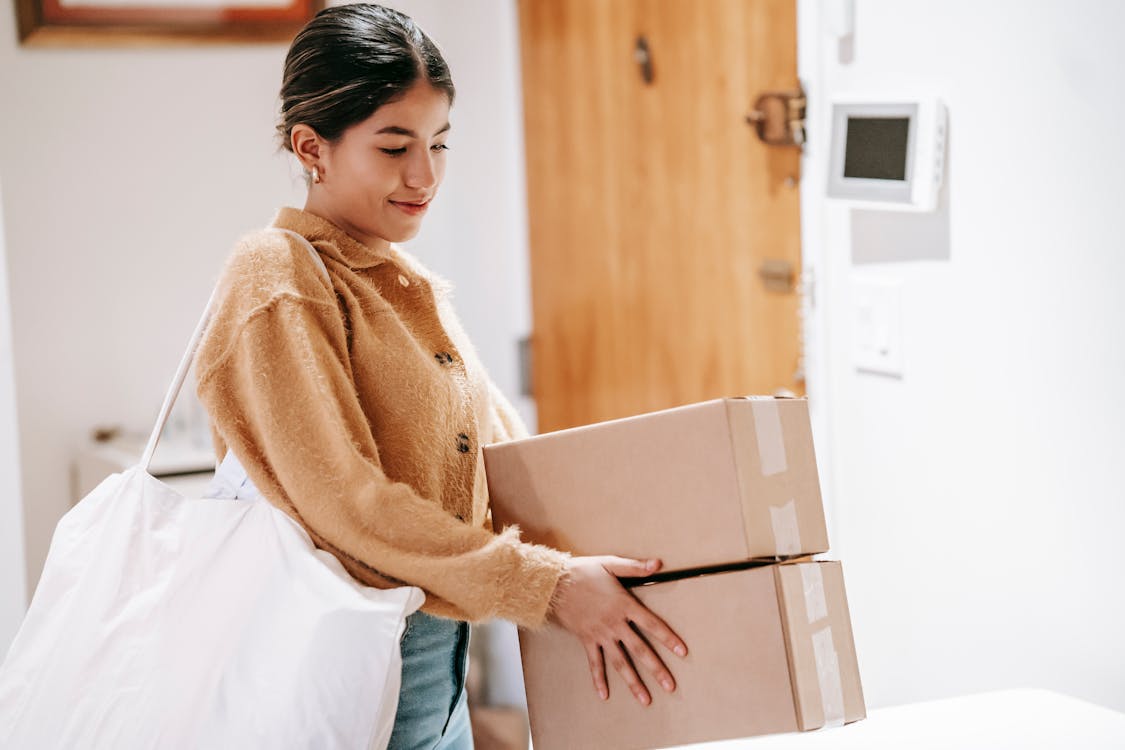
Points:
(1006, 719)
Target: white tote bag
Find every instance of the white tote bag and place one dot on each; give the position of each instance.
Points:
(164, 621)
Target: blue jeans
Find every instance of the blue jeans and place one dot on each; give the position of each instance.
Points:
(433, 710)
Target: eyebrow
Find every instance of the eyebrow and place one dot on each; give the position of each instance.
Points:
(396, 130)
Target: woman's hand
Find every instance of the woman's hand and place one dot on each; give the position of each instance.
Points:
(592, 604)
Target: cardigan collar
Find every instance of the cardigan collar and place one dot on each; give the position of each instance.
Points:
(336, 242)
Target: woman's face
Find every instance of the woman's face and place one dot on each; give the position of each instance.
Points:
(378, 179)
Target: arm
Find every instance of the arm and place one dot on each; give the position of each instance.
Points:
(279, 391)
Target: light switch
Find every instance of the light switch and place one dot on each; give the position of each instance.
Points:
(877, 326)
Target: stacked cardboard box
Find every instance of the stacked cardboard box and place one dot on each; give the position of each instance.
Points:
(726, 493)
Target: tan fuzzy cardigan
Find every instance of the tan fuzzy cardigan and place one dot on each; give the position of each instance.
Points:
(360, 409)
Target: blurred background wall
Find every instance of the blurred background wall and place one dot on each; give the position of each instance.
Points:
(13, 560)
(978, 505)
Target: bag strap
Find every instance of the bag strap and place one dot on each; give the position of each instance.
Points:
(193, 344)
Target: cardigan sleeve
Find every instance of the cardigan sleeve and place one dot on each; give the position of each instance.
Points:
(281, 396)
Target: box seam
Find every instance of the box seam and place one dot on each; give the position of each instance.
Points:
(739, 472)
(787, 636)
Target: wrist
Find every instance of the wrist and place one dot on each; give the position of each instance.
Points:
(558, 595)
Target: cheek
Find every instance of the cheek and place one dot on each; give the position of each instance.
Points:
(374, 176)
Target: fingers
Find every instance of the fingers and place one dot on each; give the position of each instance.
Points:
(657, 628)
(627, 567)
(620, 661)
(642, 653)
(608, 619)
(597, 669)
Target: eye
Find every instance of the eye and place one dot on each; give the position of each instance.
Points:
(440, 147)
(394, 151)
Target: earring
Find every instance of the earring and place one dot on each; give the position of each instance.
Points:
(316, 175)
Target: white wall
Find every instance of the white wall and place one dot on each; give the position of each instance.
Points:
(977, 501)
(13, 587)
(130, 172)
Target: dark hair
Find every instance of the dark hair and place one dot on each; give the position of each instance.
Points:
(348, 61)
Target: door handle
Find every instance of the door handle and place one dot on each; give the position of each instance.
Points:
(777, 275)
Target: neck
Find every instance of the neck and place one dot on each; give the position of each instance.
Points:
(316, 206)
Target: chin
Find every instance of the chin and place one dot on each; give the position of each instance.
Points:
(403, 234)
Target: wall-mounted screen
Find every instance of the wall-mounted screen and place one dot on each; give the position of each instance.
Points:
(887, 153)
(875, 148)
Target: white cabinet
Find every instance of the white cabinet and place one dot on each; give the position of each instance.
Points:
(185, 466)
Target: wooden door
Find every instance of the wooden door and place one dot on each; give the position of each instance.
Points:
(653, 205)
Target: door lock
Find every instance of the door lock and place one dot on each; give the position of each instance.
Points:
(779, 117)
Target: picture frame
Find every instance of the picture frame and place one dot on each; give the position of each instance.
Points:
(115, 23)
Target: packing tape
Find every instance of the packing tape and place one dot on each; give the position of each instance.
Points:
(767, 427)
(812, 581)
(828, 677)
(786, 530)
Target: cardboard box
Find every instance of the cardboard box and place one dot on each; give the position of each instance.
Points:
(769, 650)
(498, 727)
(704, 484)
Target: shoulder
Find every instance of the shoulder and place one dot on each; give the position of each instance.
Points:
(266, 272)
(268, 264)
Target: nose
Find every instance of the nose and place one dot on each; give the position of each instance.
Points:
(421, 173)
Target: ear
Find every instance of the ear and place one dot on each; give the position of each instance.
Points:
(307, 145)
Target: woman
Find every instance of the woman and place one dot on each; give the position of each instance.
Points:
(359, 407)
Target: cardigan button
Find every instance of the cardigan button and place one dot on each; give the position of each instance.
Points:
(462, 442)
(444, 357)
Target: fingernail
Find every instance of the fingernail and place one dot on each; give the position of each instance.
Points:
(644, 698)
(603, 694)
(667, 684)
(651, 565)
(681, 651)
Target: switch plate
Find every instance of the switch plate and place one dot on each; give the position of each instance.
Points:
(877, 326)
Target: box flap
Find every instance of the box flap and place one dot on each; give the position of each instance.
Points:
(818, 633)
(779, 486)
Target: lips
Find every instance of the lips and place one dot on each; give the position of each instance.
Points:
(411, 207)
